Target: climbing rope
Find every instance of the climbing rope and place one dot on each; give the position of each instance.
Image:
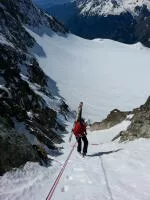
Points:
(106, 179)
(49, 197)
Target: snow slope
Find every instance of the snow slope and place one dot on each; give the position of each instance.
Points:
(104, 74)
(111, 171)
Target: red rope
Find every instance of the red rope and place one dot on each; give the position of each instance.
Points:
(49, 197)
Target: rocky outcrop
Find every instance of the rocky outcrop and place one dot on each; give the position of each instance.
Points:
(139, 127)
(115, 117)
(140, 124)
(28, 122)
(142, 28)
(14, 147)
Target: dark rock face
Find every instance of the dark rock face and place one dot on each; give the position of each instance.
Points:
(139, 127)
(14, 147)
(63, 12)
(36, 75)
(115, 117)
(140, 124)
(47, 3)
(119, 27)
(142, 28)
(25, 115)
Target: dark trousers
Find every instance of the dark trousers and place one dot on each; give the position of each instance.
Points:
(85, 146)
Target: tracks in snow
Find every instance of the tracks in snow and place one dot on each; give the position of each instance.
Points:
(106, 179)
(85, 179)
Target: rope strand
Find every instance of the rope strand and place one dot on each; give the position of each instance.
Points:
(49, 197)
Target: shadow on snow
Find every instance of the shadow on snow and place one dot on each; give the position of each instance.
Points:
(103, 153)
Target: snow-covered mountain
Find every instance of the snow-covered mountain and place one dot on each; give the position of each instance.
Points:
(125, 21)
(40, 61)
(111, 7)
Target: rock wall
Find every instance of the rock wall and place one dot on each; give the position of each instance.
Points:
(115, 117)
(14, 147)
(140, 124)
(28, 122)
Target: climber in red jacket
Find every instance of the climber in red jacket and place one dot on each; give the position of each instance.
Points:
(79, 131)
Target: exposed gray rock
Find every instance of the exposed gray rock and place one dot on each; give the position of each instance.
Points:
(115, 117)
(25, 89)
(14, 147)
(140, 124)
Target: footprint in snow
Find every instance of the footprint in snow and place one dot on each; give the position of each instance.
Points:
(85, 181)
(82, 180)
(64, 188)
(69, 177)
(89, 182)
(79, 169)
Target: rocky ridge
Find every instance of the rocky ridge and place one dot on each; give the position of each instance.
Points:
(31, 113)
(140, 124)
(115, 116)
(110, 7)
(139, 127)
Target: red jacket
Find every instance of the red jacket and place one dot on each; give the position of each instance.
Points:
(79, 129)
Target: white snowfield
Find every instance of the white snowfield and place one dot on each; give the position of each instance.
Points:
(104, 74)
(111, 171)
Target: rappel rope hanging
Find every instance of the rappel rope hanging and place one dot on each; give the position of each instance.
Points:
(49, 197)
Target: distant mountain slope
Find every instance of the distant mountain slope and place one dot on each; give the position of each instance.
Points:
(48, 3)
(125, 21)
(31, 107)
(110, 7)
(63, 12)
